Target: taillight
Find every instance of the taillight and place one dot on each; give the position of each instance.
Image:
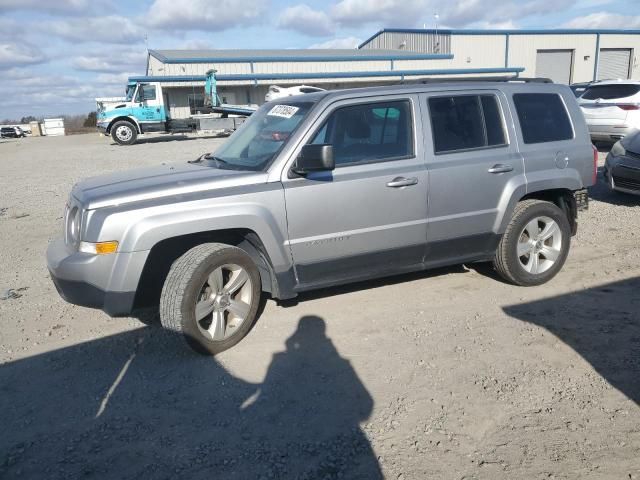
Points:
(628, 106)
(595, 164)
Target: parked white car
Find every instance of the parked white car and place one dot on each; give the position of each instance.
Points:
(611, 108)
(278, 92)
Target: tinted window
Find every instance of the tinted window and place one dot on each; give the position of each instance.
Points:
(370, 132)
(465, 122)
(492, 120)
(543, 117)
(609, 92)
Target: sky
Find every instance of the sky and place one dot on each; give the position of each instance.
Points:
(56, 56)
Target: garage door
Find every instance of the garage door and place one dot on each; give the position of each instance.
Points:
(613, 63)
(554, 64)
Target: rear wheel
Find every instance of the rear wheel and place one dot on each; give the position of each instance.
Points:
(124, 133)
(211, 296)
(535, 245)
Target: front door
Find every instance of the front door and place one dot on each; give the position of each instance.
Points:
(367, 217)
(149, 110)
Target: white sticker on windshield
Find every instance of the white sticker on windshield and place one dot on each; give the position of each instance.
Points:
(284, 111)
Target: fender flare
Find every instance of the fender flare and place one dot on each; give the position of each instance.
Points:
(125, 118)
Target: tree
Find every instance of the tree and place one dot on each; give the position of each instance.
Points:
(28, 118)
(90, 121)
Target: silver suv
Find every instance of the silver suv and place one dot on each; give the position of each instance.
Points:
(329, 188)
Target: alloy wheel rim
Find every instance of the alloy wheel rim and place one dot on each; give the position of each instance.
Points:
(539, 245)
(224, 302)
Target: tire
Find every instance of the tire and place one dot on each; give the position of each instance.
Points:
(542, 256)
(203, 280)
(124, 133)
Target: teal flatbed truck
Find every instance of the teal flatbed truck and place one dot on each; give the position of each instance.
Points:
(143, 110)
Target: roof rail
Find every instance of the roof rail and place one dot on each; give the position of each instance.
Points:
(480, 79)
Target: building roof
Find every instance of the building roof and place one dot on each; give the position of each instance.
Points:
(289, 55)
(513, 31)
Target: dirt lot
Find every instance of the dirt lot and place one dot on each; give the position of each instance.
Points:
(445, 374)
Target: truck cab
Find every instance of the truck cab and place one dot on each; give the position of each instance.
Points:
(142, 111)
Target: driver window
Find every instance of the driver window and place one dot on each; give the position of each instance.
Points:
(369, 132)
(146, 92)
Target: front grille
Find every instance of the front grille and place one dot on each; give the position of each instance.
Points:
(626, 183)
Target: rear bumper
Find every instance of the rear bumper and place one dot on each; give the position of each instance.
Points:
(609, 133)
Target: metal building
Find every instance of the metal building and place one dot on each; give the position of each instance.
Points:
(564, 55)
(396, 55)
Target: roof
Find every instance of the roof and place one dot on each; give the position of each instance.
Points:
(550, 31)
(400, 74)
(289, 55)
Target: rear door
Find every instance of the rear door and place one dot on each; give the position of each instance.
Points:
(473, 167)
(366, 218)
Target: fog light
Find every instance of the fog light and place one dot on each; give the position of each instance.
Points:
(100, 248)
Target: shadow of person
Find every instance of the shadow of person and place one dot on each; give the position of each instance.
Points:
(602, 324)
(140, 405)
(309, 408)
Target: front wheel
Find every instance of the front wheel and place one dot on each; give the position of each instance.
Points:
(535, 244)
(124, 133)
(211, 296)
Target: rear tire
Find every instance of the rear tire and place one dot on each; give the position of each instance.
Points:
(211, 296)
(124, 133)
(535, 244)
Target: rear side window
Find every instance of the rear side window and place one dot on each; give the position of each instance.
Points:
(369, 132)
(609, 92)
(543, 117)
(465, 122)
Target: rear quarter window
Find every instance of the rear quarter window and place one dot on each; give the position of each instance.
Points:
(543, 117)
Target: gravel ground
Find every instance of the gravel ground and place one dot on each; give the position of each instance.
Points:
(443, 374)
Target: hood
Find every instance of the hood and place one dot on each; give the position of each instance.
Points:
(632, 142)
(157, 182)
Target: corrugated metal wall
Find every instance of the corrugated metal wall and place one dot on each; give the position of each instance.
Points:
(412, 42)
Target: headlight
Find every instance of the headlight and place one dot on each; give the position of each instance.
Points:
(618, 150)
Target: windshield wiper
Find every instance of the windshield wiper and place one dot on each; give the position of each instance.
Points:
(207, 156)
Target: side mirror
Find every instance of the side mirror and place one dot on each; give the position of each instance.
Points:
(315, 158)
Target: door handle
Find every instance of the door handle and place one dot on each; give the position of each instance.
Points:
(500, 168)
(402, 182)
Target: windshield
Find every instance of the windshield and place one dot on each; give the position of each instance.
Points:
(258, 141)
(130, 91)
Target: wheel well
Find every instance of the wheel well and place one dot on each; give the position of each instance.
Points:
(122, 119)
(165, 252)
(564, 199)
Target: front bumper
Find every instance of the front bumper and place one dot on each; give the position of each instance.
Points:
(102, 127)
(623, 177)
(106, 282)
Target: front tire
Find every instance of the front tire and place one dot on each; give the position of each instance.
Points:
(124, 133)
(211, 296)
(535, 244)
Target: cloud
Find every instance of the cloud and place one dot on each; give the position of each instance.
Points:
(303, 19)
(204, 15)
(604, 20)
(49, 6)
(347, 42)
(19, 54)
(402, 13)
(104, 29)
(117, 60)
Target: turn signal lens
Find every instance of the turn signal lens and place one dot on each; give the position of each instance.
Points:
(100, 248)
